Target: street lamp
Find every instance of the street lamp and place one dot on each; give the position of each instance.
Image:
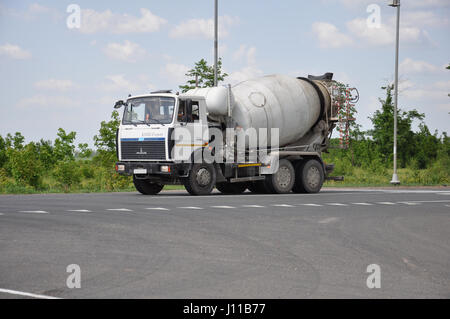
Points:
(216, 36)
(396, 3)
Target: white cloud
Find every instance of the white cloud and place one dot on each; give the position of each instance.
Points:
(329, 36)
(61, 85)
(107, 21)
(245, 52)
(46, 101)
(203, 28)
(175, 72)
(385, 35)
(250, 70)
(422, 19)
(437, 91)
(409, 66)
(128, 51)
(14, 52)
(119, 84)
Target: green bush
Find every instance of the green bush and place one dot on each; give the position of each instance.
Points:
(67, 174)
(25, 165)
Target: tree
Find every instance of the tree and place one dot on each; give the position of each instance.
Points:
(202, 75)
(383, 128)
(46, 153)
(3, 148)
(64, 148)
(105, 141)
(84, 152)
(25, 165)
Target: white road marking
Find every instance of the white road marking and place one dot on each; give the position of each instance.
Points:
(252, 206)
(409, 203)
(26, 294)
(190, 207)
(225, 207)
(33, 211)
(79, 210)
(328, 220)
(430, 201)
(444, 193)
(282, 205)
(386, 203)
(315, 205)
(120, 209)
(363, 204)
(445, 206)
(1, 214)
(337, 204)
(157, 208)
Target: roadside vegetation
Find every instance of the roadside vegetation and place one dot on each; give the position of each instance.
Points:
(61, 166)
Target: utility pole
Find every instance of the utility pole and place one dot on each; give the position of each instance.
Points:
(396, 3)
(216, 36)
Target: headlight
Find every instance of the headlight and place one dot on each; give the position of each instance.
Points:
(165, 168)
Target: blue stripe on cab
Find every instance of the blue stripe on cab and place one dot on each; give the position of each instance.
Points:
(140, 139)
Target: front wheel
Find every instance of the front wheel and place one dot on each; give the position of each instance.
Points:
(201, 179)
(145, 187)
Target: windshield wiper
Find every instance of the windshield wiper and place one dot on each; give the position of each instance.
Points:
(157, 121)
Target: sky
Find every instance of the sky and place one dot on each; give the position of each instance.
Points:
(57, 73)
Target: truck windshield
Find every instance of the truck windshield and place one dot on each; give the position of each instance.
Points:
(149, 110)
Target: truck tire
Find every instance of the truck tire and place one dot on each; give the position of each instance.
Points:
(145, 187)
(309, 176)
(201, 179)
(231, 188)
(283, 180)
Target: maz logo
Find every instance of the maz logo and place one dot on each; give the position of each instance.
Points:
(141, 152)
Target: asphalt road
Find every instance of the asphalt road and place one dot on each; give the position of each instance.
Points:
(248, 246)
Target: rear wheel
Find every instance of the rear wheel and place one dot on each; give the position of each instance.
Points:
(309, 177)
(145, 187)
(201, 179)
(231, 188)
(283, 180)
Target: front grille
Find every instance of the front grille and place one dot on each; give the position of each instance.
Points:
(150, 150)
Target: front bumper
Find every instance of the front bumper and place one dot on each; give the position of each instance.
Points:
(147, 169)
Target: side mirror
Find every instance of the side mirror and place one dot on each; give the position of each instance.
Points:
(119, 104)
(188, 110)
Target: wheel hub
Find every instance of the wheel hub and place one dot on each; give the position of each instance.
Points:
(313, 177)
(203, 177)
(284, 177)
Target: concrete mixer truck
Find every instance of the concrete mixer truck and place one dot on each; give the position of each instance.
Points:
(265, 135)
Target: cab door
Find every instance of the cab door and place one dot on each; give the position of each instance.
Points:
(190, 129)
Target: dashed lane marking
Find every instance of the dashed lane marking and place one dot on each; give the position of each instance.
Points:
(79, 210)
(1, 214)
(33, 211)
(363, 204)
(225, 207)
(313, 205)
(409, 203)
(157, 208)
(120, 209)
(386, 203)
(282, 205)
(328, 220)
(190, 207)
(336, 204)
(253, 206)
